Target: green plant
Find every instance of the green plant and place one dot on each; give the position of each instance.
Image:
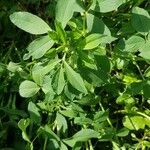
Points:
(86, 76)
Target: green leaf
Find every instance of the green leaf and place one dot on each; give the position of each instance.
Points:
(147, 72)
(49, 132)
(47, 86)
(125, 99)
(34, 113)
(100, 116)
(140, 20)
(29, 23)
(71, 92)
(96, 25)
(39, 71)
(28, 88)
(75, 79)
(81, 136)
(135, 88)
(134, 43)
(61, 123)
(23, 124)
(134, 122)
(61, 33)
(39, 47)
(145, 51)
(63, 146)
(122, 132)
(94, 77)
(69, 113)
(146, 90)
(65, 9)
(13, 67)
(103, 63)
(82, 121)
(106, 5)
(59, 81)
(92, 41)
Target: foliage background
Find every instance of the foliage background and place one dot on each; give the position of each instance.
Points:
(112, 115)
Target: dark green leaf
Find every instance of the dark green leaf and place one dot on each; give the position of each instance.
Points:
(140, 20)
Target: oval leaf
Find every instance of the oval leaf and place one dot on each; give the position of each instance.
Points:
(74, 78)
(29, 23)
(92, 41)
(28, 88)
(65, 10)
(59, 81)
(106, 5)
(96, 25)
(39, 47)
(39, 71)
(83, 135)
(140, 20)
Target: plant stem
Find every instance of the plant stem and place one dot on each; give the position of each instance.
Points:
(84, 23)
(90, 145)
(108, 120)
(139, 70)
(45, 143)
(135, 113)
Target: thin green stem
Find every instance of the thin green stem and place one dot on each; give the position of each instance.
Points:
(108, 120)
(135, 113)
(45, 143)
(139, 70)
(84, 23)
(90, 145)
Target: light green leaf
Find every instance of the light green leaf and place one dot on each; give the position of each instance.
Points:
(47, 85)
(60, 32)
(13, 67)
(75, 79)
(134, 122)
(23, 124)
(63, 146)
(61, 123)
(47, 88)
(140, 20)
(125, 99)
(81, 136)
(96, 25)
(65, 10)
(28, 88)
(34, 113)
(29, 23)
(82, 120)
(39, 71)
(59, 81)
(106, 5)
(147, 72)
(39, 47)
(92, 41)
(134, 43)
(145, 51)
